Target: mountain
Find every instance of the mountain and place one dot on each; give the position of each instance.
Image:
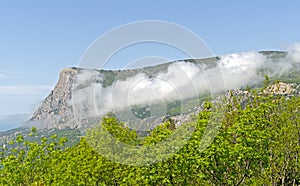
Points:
(83, 96)
(56, 104)
(57, 109)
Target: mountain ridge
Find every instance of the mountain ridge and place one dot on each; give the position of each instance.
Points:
(57, 110)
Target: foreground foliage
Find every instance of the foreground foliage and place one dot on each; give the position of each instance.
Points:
(258, 143)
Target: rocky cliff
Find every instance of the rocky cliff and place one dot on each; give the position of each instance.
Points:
(56, 111)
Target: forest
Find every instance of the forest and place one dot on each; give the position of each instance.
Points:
(252, 140)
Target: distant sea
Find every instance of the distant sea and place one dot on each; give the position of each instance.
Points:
(12, 121)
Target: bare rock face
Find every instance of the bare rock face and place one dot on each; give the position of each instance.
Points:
(56, 111)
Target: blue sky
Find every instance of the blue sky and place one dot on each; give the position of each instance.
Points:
(40, 38)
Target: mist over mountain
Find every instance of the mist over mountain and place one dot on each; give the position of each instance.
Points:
(142, 95)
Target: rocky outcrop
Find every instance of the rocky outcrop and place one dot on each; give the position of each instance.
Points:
(281, 88)
(56, 111)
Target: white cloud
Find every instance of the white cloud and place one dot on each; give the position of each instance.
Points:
(294, 53)
(22, 90)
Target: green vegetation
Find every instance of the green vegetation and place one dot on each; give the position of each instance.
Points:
(257, 144)
(73, 136)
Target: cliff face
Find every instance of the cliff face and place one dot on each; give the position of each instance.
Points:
(56, 111)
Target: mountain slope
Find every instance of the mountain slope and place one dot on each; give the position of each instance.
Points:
(56, 102)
